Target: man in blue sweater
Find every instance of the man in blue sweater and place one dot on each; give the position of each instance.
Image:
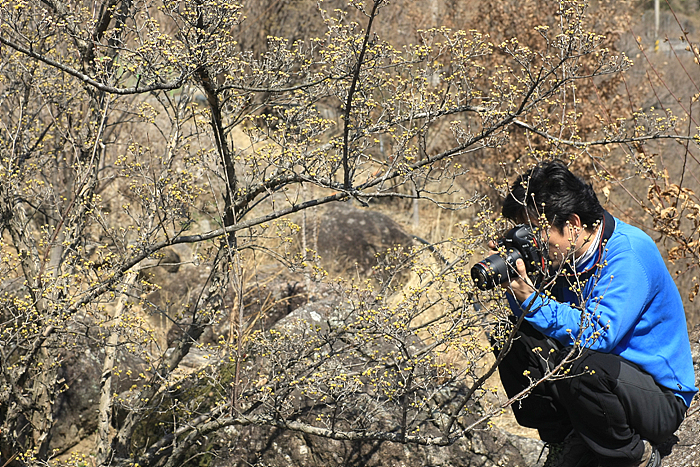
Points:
(610, 314)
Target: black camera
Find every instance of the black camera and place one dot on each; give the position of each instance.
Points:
(519, 242)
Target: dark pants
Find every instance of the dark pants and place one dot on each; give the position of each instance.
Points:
(610, 402)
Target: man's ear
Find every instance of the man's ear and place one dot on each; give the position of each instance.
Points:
(575, 221)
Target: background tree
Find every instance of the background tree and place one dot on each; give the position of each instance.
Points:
(142, 135)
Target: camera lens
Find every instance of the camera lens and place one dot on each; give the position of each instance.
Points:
(494, 270)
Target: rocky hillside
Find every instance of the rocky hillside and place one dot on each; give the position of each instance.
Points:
(488, 448)
(267, 446)
(682, 450)
(481, 448)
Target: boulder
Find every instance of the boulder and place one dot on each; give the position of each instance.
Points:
(350, 239)
(76, 409)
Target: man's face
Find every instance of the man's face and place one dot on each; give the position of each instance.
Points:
(560, 244)
(563, 243)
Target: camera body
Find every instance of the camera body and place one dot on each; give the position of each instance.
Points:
(518, 242)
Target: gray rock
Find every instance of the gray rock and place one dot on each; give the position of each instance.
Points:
(349, 239)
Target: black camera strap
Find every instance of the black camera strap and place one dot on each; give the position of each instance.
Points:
(569, 272)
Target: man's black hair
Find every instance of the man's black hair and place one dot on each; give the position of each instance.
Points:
(551, 189)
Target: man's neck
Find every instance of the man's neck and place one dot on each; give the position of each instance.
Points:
(589, 241)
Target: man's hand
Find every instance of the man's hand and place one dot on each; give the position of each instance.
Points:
(521, 286)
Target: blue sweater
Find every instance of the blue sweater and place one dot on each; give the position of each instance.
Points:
(632, 309)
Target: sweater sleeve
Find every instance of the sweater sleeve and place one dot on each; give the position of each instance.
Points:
(611, 305)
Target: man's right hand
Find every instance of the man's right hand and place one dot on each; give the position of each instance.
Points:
(520, 286)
